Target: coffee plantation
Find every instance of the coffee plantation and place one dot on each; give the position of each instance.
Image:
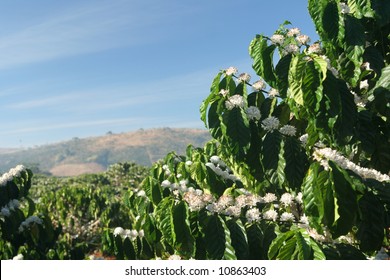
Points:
(298, 167)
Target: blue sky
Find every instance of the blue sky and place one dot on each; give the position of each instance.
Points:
(83, 68)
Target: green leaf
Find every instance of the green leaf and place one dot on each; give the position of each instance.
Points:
(278, 243)
(346, 200)
(371, 229)
(281, 72)
(303, 246)
(237, 130)
(239, 238)
(270, 150)
(262, 56)
(164, 219)
(128, 249)
(206, 103)
(296, 162)
(214, 237)
(184, 241)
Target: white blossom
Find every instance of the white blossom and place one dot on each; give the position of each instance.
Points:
(119, 231)
(253, 113)
(304, 139)
(293, 32)
(287, 217)
(291, 48)
(344, 8)
(269, 198)
(235, 101)
(298, 198)
(304, 220)
(314, 48)
(288, 130)
(366, 66)
(303, 39)
(252, 215)
(364, 84)
(358, 100)
(324, 154)
(270, 123)
(286, 199)
(141, 233)
(258, 85)
(188, 163)
(231, 71)
(141, 193)
(277, 39)
(30, 220)
(244, 77)
(166, 184)
(223, 92)
(233, 211)
(11, 174)
(215, 159)
(270, 215)
(272, 93)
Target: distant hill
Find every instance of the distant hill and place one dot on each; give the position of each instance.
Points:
(95, 154)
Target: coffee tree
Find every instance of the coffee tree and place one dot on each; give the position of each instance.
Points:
(299, 165)
(23, 233)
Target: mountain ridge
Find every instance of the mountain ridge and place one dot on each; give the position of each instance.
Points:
(94, 154)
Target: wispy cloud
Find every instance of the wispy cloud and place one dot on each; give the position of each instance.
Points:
(82, 29)
(75, 124)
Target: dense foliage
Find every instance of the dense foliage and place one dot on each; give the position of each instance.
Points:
(298, 168)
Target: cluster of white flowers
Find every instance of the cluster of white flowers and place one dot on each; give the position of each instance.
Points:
(293, 32)
(235, 101)
(270, 197)
(303, 138)
(30, 220)
(291, 48)
(11, 174)
(231, 71)
(324, 154)
(364, 85)
(344, 8)
(270, 123)
(358, 100)
(197, 200)
(220, 168)
(181, 186)
(303, 39)
(253, 215)
(288, 130)
(244, 77)
(271, 215)
(277, 39)
(224, 92)
(287, 217)
(166, 169)
(287, 199)
(11, 206)
(314, 48)
(273, 92)
(233, 207)
(253, 113)
(329, 66)
(131, 234)
(258, 85)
